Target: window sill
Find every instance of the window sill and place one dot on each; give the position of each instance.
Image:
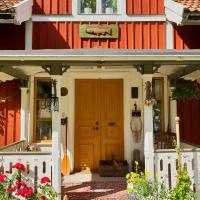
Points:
(96, 14)
(43, 142)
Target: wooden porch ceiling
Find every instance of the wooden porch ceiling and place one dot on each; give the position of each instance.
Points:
(146, 61)
(183, 72)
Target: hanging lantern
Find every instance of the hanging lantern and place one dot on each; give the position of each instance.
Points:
(136, 124)
(52, 103)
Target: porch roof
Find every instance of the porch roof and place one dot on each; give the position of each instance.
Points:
(15, 11)
(173, 63)
(101, 55)
(183, 12)
(7, 5)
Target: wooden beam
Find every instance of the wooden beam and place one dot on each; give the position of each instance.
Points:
(147, 68)
(14, 72)
(182, 72)
(55, 69)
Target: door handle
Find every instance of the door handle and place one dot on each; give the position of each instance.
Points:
(95, 128)
(112, 123)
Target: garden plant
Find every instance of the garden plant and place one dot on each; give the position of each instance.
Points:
(140, 187)
(16, 186)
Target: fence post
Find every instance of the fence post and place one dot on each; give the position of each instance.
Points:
(177, 119)
(196, 170)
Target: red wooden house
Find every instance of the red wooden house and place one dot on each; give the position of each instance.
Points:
(103, 55)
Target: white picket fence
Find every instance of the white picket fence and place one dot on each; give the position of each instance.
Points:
(38, 164)
(166, 164)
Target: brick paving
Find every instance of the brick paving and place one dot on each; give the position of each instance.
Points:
(95, 190)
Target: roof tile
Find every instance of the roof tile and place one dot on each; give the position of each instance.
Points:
(7, 5)
(191, 5)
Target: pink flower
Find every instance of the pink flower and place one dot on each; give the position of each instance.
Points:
(45, 180)
(19, 166)
(2, 178)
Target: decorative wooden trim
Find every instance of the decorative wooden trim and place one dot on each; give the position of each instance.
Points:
(99, 31)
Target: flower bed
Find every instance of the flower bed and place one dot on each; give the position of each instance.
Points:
(140, 187)
(15, 185)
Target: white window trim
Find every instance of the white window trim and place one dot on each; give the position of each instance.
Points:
(121, 8)
(99, 18)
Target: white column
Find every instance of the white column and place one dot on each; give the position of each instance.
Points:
(169, 35)
(56, 142)
(28, 34)
(24, 101)
(173, 111)
(148, 131)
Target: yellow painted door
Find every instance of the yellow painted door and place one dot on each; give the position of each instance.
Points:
(98, 121)
(87, 133)
(112, 137)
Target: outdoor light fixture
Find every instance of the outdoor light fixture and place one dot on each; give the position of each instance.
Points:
(52, 103)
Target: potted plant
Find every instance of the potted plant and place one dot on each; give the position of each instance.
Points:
(186, 91)
(109, 7)
(88, 5)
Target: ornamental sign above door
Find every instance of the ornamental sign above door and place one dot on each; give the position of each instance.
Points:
(99, 31)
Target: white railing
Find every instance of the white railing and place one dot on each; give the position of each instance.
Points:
(17, 146)
(166, 164)
(38, 164)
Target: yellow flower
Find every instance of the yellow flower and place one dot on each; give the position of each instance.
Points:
(147, 173)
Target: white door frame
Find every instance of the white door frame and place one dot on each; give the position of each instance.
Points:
(97, 74)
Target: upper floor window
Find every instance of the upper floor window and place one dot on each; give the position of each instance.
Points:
(98, 6)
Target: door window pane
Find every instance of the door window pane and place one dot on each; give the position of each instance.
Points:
(109, 6)
(158, 108)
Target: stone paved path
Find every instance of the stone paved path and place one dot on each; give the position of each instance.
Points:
(96, 189)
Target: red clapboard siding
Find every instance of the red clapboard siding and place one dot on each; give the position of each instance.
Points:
(54, 7)
(186, 37)
(189, 113)
(145, 7)
(65, 35)
(10, 113)
(12, 37)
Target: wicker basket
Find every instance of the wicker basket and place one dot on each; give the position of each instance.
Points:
(112, 168)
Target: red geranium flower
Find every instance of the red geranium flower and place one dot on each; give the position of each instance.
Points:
(18, 183)
(45, 180)
(10, 189)
(2, 178)
(43, 198)
(19, 166)
(25, 192)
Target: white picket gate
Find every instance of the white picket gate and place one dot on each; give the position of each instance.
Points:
(166, 164)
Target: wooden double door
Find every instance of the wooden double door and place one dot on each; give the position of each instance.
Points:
(98, 121)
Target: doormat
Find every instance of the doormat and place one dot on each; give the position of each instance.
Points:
(113, 190)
